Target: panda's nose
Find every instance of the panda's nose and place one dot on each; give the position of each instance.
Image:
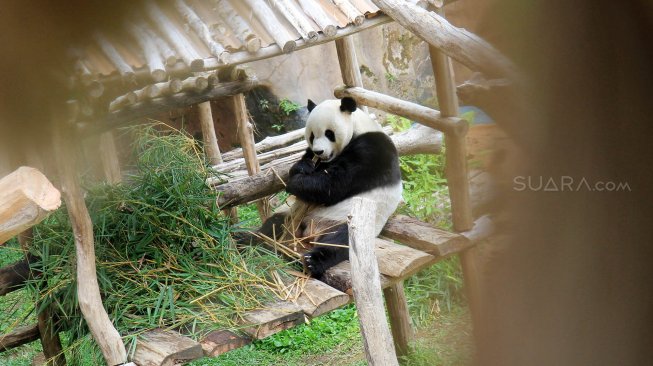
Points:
(318, 152)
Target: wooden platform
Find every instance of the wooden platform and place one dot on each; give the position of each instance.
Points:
(424, 245)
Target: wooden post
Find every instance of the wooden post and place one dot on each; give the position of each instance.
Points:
(211, 148)
(349, 69)
(88, 290)
(109, 156)
(456, 171)
(246, 136)
(26, 198)
(366, 285)
(402, 332)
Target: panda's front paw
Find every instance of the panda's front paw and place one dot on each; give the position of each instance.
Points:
(320, 259)
(302, 167)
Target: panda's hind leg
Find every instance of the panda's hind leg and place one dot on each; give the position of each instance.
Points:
(321, 258)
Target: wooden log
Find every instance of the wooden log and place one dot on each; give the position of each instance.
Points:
(240, 164)
(175, 36)
(350, 11)
(424, 237)
(109, 156)
(315, 12)
(194, 84)
(402, 332)
(122, 101)
(418, 139)
(125, 70)
(202, 30)
(349, 69)
(19, 336)
(222, 341)
(296, 18)
(272, 319)
(160, 105)
(50, 341)
(166, 52)
(426, 116)
(211, 148)
(167, 88)
(88, 291)
(26, 198)
(317, 298)
(273, 175)
(399, 261)
(461, 45)
(379, 350)
(246, 137)
(165, 348)
(268, 143)
(94, 89)
(153, 59)
(483, 229)
(277, 31)
(242, 31)
(14, 276)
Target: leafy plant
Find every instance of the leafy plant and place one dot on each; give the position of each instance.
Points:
(288, 106)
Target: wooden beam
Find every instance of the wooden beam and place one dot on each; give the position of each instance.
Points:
(125, 70)
(222, 341)
(19, 336)
(379, 350)
(246, 137)
(164, 104)
(317, 298)
(202, 30)
(463, 46)
(296, 18)
(424, 237)
(88, 291)
(153, 58)
(277, 31)
(402, 332)
(26, 198)
(424, 115)
(316, 12)
(399, 261)
(159, 347)
(268, 143)
(272, 319)
(242, 30)
(211, 148)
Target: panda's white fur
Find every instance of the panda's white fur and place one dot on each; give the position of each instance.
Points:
(348, 156)
(328, 116)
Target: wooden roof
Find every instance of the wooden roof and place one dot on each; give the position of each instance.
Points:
(179, 37)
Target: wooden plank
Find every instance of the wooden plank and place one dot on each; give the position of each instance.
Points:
(19, 336)
(402, 332)
(272, 319)
(425, 237)
(26, 198)
(222, 341)
(317, 298)
(379, 350)
(159, 347)
(399, 261)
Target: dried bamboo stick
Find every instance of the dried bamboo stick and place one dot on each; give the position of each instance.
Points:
(235, 22)
(266, 16)
(296, 18)
(202, 30)
(175, 36)
(150, 51)
(114, 56)
(314, 10)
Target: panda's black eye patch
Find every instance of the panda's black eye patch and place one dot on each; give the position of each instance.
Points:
(311, 139)
(330, 135)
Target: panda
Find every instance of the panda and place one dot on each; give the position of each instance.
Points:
(348, 155)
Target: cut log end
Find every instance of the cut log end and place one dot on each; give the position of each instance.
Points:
(289, 46)
(359, 20)
(197, 65)
(330, 30)
(158, 75)
(253, 45)
(171, 60)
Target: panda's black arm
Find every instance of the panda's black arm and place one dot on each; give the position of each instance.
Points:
(305, 165)
(369, 161)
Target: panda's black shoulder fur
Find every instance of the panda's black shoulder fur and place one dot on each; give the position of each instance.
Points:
(369, 161)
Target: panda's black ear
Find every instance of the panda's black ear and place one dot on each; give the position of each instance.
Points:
(310, 105)
(347, 104)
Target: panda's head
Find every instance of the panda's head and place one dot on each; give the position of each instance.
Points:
(330, 127)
